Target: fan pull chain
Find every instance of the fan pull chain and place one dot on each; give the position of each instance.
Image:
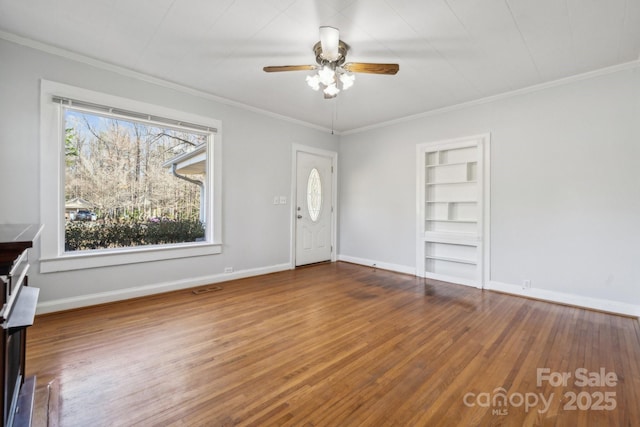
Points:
(334, 115)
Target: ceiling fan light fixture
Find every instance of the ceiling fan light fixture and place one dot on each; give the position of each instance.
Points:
(332, 73)
(331, 79)
(347, 80)
(331, 90)
(327, 75)
(314, 82)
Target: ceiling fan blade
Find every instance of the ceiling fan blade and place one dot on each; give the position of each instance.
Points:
(363, 67)
(277, 68)
(329, 40)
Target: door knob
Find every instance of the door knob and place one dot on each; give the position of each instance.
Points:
(299, 216)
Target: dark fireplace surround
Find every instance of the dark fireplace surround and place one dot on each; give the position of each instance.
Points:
(18, 311)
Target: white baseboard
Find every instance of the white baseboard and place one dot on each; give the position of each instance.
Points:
(609, 306)
(140, 291)
(378, 264)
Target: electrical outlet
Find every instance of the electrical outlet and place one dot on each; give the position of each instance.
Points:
(228, 269)
(283, 200)
(526, 284)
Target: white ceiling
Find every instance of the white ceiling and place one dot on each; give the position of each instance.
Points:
(449, 51)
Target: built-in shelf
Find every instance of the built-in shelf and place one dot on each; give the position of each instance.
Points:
(450, 201)
(447, 164)
(464, 221)
(451, 245)
(448, 259)
(454, 217)
(451, 182)
(469, 239)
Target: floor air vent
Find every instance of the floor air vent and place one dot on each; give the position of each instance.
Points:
(205, 290)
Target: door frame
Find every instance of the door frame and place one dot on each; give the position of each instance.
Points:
(333, 155)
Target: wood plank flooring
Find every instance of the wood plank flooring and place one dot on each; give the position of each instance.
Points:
(333, 345)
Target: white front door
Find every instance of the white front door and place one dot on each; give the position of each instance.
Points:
(314, 195)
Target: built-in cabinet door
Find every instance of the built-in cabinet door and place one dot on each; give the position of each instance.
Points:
(452, 188)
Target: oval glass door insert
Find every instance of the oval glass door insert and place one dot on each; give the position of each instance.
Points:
(314, 194)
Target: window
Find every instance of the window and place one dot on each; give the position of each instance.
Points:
(131, 183)
(314, 194)
(134, 182)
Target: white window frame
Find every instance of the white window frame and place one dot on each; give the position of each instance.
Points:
(52, 167)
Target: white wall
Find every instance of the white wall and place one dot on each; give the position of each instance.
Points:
(256, 152)
(565, 189)
(565, 185)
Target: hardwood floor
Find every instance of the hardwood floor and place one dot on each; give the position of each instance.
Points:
(337, 345)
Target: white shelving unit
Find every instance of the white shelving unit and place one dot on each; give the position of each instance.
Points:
(450, 218)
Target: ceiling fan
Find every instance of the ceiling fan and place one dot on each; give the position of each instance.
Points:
(333, 74)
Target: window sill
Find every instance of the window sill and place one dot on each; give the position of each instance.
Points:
(112, 257)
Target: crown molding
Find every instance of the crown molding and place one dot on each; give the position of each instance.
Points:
(127, 72)
(505, 95)
(10, 37)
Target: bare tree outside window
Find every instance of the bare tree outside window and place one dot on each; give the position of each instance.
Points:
(125, 184)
